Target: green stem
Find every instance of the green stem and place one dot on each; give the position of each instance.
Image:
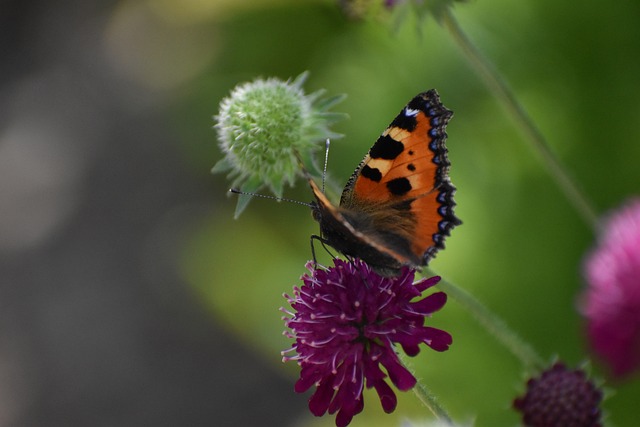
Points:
(429, 400)
(499, 87)
(494, 325)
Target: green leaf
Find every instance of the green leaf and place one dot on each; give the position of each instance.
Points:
(326, 103)
(222, 166)
(250, 187)
(302, 77)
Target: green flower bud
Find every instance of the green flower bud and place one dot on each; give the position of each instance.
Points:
(263, 126)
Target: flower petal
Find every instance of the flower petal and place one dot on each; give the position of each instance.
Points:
(411, 349)
(306, 380)
(425, 284)
(399, 375)
(348, 402)
(388, 399)
(320, 400)
(430, 304)
(611, 302)
(438, 339)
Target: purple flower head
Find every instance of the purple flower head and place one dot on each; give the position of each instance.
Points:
(611, 302)
(560, 398)
(345, 322)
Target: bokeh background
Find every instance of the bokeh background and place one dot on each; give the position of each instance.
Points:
(130, 297)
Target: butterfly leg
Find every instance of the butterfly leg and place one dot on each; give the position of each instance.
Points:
(324, 244)
(360, 272)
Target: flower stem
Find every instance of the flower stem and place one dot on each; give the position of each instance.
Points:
(495, 325)
(429, 400)
(500, 89)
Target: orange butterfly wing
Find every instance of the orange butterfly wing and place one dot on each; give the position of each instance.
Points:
(402, 186)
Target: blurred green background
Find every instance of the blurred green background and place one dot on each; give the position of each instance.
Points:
(132, 297)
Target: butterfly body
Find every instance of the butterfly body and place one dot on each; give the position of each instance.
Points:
(397, 206)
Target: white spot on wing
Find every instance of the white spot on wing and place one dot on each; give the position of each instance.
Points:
(409, 112)
(398, 133)
(382, 165)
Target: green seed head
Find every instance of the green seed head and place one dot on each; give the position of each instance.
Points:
(261, 127)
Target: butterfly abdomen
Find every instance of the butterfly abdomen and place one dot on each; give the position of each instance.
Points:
(354, 235)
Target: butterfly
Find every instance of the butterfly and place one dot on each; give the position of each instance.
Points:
(397, 207)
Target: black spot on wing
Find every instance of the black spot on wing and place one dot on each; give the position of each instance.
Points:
(403, 121)
(373, 174)
(399, 186)
(411, 167)
(386, 148)
(417, 103)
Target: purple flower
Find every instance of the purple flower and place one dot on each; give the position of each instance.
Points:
(611, 302)
(345, 322)
(560, 398)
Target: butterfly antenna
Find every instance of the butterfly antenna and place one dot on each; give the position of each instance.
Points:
(326, 161)
(266, 196)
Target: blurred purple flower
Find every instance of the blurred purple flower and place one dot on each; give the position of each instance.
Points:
(611, 302)
(345, 322)
(560, 398)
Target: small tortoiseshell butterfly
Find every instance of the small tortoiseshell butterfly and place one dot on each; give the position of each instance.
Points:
(397, 207)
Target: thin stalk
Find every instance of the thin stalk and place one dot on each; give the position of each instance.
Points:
(499, 87)
(429, 400)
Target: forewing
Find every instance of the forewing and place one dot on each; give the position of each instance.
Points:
(407, 170)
